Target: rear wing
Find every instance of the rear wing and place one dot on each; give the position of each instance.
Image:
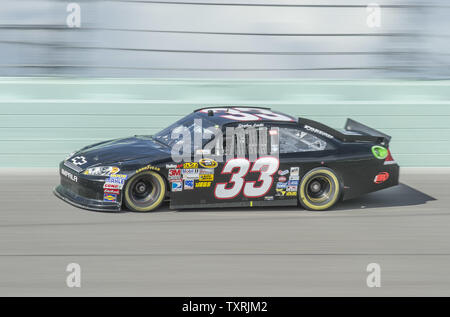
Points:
(358, 132)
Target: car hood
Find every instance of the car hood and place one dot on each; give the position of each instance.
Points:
(119, 150)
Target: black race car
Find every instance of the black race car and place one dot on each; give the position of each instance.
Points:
(230, 157)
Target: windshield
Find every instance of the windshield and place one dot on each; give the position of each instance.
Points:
(198, 126)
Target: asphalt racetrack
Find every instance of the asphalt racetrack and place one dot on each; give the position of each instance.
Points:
(227, 252)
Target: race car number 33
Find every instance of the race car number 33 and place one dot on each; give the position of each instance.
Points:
(238, 168)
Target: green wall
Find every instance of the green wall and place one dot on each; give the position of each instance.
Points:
(43, 119)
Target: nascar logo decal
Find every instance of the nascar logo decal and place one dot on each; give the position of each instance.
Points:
(208, 163)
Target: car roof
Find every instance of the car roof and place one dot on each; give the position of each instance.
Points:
(230, 114)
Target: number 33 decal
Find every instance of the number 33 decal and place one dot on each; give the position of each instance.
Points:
(239, 168)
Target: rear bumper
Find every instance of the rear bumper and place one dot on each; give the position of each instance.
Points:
(83, 202)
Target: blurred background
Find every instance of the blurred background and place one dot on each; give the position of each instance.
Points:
(73, 73)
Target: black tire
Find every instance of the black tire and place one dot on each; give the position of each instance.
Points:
(319, 189)
(145, 191)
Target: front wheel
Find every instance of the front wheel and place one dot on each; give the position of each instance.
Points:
(319, 189)
(145, 191)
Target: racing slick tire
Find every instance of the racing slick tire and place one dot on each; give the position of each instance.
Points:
(145, 191)
(319, 189)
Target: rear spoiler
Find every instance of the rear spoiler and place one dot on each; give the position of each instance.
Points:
(367, 134)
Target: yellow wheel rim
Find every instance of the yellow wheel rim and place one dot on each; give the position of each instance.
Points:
(333, 191)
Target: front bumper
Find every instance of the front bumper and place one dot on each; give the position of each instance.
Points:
(84, 192)
(83, 202)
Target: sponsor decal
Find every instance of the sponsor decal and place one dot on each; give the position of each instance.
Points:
(190, 165)
(202, 184)
(248, 125)
(379, 152)
(280, 192)
(112, 191)
(171, 166)
(293, 182)
(112, 186)
(69, 175)
(208, 163)
(177, 186)
(282, 179)
(381, 178)
(281, 185)
(174, 174)
(203, 152)
(291, 188)
(110, 197)
(268, 197)
(121, 176)
(189, 184)
(112, 180)
(291, 193)
(148, 168)
(317, 131)
(294, 178)
(295, 171)
(191, 173)
(79, 160)
(281, 173)
(206, 177)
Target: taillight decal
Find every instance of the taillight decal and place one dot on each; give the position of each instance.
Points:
(380, 152)
(381, 178)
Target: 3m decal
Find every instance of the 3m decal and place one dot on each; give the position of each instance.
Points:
(208, 163)
(177, 186)
(189, 184)
(190, 165)
(238, 168)
(381, 178)
(174, 174)
(379, 152)
(110, 197)
(79, 160)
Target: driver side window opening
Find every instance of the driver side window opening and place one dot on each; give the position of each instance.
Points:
(294, 140)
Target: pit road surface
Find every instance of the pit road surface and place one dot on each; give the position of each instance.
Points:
(227, 252)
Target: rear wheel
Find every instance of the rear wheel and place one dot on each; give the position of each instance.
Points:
(319, 189)
(145, 191)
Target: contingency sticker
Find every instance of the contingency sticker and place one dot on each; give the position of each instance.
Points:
(110, 197)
